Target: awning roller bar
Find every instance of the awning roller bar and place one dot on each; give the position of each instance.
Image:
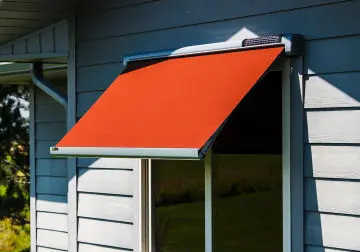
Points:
(293, 44)
(154, 153)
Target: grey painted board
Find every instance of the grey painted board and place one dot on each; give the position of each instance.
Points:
(112, 4)
(52, 239)
(33, 42)
(33, 195)
(42, 98)
(47, 41)
(332, 55)
(5, 50)
(52, 221)
(15, 14)
(42, 249)
(51, 203)
(85, 101)
(341, 197)
(106, 207)
(93, 248)
(333, 90)
(106, 181)
(333, 231)
(313, 26)
(97, 77)
(59, 84)
(51, 167)
(113, 234)
(51, 185)
(333, 126)
(50, 113)
(166, 15)
(71, 120)
(61, 38)
(43, 148)
(38, 47)
(50, 131)
(108, 163)
(20, 48)
(332, 162)
(310, 248)
(293, 133)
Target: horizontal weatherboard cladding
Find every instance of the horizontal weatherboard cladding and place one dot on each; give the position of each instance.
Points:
(107, 204)
(170, 15)
(332, 161)
(107, 233)
(331, 99)
(51, 175)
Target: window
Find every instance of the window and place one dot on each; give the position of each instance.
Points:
(246, 184)
(178, 205)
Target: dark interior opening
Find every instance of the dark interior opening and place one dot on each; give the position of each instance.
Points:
(255, 126)
(247, 161)
(247, 183)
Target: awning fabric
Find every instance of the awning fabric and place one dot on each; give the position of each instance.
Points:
(170, 109)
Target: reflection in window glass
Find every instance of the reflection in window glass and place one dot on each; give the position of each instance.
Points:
(179, 205)
(248, 203)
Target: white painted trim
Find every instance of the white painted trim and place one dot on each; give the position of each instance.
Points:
(71, 120)
(32, 172)
(286, 157)
(197, 49)
(293, 144)
(208, 203)
(165, 153)
(151, 212)
(140, 174)
(297, 153)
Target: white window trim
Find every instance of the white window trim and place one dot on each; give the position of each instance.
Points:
(286, 178)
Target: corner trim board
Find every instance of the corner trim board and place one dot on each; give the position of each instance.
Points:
(33, 197)
(286, 164)
(71, 120)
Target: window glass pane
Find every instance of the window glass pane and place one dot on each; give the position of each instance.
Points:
(248, 202)
(178, 205)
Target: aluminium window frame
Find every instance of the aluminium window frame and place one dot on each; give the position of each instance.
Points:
(292, 156)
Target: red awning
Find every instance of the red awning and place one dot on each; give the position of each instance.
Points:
(171, 108)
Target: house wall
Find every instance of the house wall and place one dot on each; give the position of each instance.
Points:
(50, 175)
(107, 31)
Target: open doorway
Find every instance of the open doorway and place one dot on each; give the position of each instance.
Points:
(247, 184)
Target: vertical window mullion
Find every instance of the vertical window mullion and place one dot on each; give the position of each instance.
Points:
(208, 203)
(146, 208)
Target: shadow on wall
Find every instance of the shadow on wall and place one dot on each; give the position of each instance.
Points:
(312, 220)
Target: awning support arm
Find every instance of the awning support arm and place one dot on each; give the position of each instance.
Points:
(37, 76)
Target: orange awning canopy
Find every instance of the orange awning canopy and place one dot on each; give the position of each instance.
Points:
(171, 108)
